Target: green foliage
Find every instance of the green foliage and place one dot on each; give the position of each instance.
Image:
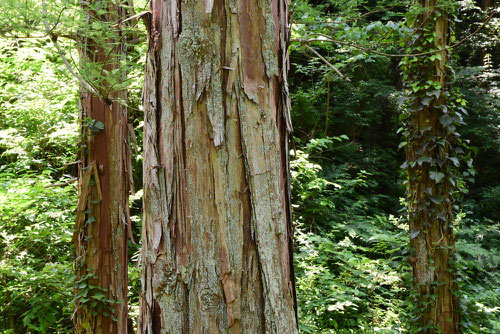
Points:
(35, 265)
(365, 110)
(478, 261)
(38, 135)
(36, 121)
(38, 143)
(92, 298)
(86, 34)
(351, 243)
(348, 264)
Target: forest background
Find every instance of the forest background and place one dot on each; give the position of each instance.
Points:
(351, 237)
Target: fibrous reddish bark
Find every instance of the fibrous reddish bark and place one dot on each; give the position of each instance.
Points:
(217, 235)
(103, 219)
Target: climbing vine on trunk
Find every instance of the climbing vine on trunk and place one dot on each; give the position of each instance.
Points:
(433, 151)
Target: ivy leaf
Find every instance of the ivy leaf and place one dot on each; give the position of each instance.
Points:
(436, 176)
(436, 93)
(441, 142)
(99, 125)
(436, 199)
(423, 159)
(455, 161)
(441, 216)
(426, 101)
(445, 120)
(452, 181)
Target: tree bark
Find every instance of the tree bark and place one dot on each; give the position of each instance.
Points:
(217, 235)
(103, 217)
(430, 183)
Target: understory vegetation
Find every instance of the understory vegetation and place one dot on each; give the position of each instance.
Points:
(352, 266)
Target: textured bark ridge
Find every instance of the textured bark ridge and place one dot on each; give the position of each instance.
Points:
(430, 204)
(103, 218)
(216, 243)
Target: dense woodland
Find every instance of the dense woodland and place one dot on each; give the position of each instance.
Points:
(249, 166)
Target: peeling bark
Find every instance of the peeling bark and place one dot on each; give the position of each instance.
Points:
(216, 243)
(103, 218)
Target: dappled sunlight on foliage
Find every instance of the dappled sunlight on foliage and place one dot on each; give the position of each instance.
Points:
(353, 262)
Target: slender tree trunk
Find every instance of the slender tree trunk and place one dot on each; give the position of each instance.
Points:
(430, 182)
(8, 299)
(483, 60)
(103, 218)
(217, 235)
(486, 4)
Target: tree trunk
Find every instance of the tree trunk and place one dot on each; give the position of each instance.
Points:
(486, 4)
(431, 180)
(217, 234)
(103, 217)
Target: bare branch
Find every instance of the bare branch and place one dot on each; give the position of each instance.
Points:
(62, 184)
(327, 62)
(134, 17)
(87, 86)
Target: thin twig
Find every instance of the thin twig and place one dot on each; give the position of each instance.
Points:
(327, 62)
(87, 86)
(62, 184)
(136, 16)
(349, 20)
(72, 163)
(356, 46)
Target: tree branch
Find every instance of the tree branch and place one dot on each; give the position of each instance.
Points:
(62, 184)
(86, 85)
(327, 62)
(397, 55)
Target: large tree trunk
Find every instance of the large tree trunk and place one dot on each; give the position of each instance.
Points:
(217, 235)
(103, 218)
(430, 180)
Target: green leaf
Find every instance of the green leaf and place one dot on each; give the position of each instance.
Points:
(426, 101)
(436, 176)
(99, 125)
(436, 199)
(445, 120)
(436, 93)
(423, 159)
(455, 161)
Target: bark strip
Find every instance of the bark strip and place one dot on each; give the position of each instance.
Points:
(217, 236)
(103, 218)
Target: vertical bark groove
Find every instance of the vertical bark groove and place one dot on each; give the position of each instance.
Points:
(216, 254)
(103, 217)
